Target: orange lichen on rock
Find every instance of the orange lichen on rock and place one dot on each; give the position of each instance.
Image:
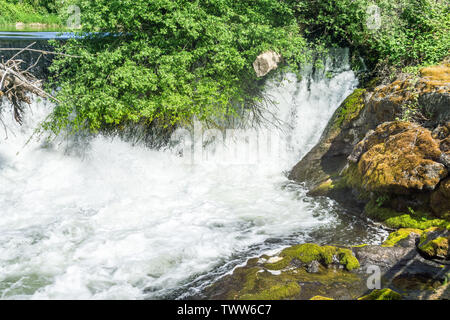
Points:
(432, 79)
(440, 73)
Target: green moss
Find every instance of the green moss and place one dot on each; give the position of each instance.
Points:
(438, 247)
(360, 245)
(283, 263)
(276, 292)
(351, 178)
(255, 283)
(395, 219)
(323, 188)
(399, 235)
(309, 252)
(383, 294)
(347, 259)
(350, 108)
(320, 298)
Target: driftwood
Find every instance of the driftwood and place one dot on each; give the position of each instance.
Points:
(17, 83)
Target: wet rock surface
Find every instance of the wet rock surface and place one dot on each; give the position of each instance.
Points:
(403, 270)
(366, 109)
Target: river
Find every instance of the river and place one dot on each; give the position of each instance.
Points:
(103, 218)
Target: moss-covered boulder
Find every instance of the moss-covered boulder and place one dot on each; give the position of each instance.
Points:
(434, 243)
(329, 156)
(398, 157)
(382, 294)
(304, 254)
(397, 238)
(426, 97)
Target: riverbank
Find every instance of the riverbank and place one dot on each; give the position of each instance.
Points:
(23, 16)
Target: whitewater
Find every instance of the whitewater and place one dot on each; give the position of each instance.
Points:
(102, 218)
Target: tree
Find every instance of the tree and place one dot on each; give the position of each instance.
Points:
(166, 61)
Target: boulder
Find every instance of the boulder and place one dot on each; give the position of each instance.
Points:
(434, 243)
(440, 200)
(266, 62)
(364, 110)
(398, 157)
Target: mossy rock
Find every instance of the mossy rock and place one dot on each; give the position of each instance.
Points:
(398, 157)
(350, 108)
(320, 298)
(309, 252)
(323, 189)
(440, 200)
(382, 294)
(275, 292)
(434, 243)
(286, 276)
(395, 237)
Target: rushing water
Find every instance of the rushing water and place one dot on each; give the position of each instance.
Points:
(103, 219)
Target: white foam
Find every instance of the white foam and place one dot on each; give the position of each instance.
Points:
(112, 220)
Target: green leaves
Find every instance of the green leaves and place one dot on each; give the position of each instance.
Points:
(410, 32)
(175, 59)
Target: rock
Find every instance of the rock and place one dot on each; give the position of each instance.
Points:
(384, 294)
(320, 298)
(440, 200)
(403, 219)
(364, 110)
(307, 253)
(398, 157)
(313, 267)
(434, 243)
(266, 62)
(402, 269)
(329, 156)
(291, 280)
(405, 237)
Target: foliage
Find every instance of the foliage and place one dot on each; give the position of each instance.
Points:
(169, 60)
(26, 12)
(42, 6)
(409, 32)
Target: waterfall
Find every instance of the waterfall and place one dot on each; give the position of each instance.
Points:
(106, 219)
